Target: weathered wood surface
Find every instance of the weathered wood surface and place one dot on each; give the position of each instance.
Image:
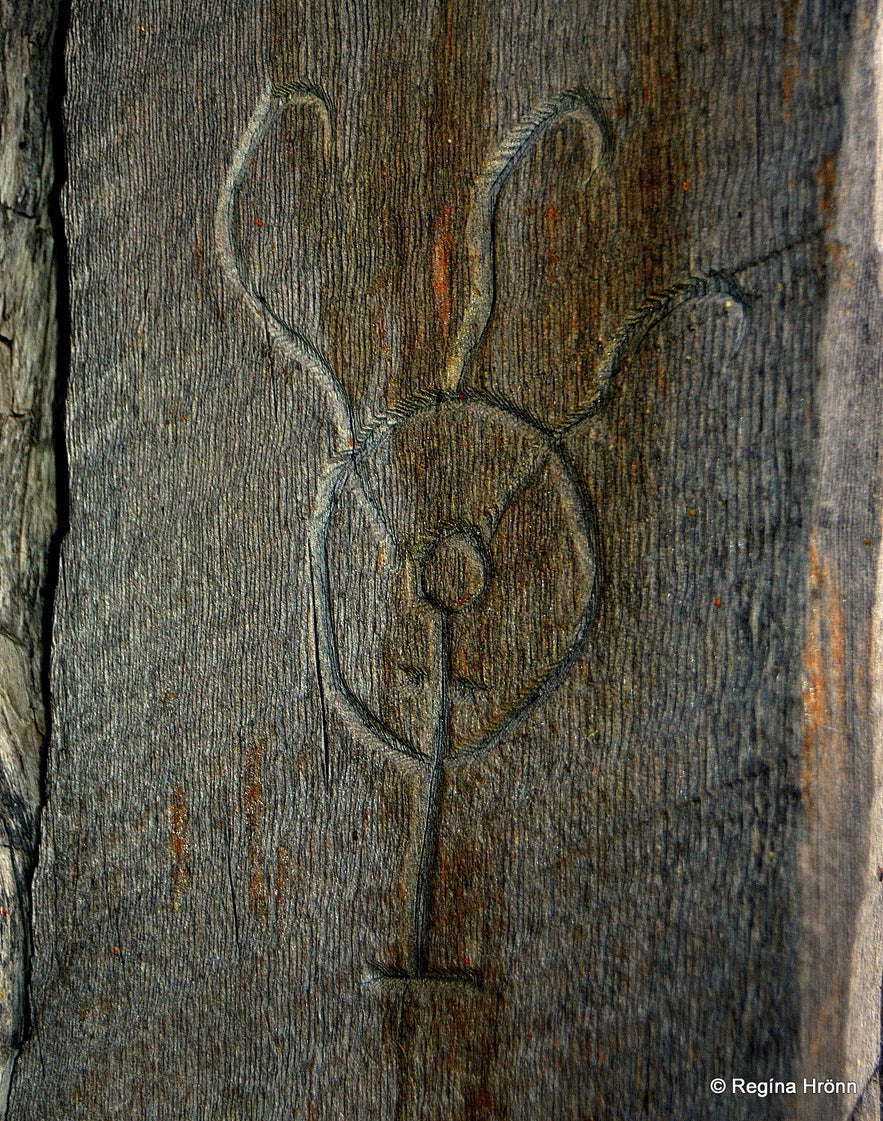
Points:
(27, 471)
(664, 872)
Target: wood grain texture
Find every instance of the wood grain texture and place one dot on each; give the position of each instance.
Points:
(27, 470)
(661, 874)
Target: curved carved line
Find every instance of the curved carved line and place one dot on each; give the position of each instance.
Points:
(635, 329)
(554, 676)
(293, 344)
(348, 702)
(583, 105)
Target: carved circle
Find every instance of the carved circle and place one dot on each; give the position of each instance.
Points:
(454, 570)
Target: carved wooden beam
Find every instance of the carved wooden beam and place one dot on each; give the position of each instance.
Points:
(465, 677)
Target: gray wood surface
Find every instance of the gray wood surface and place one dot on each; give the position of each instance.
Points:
(463, 678)
(27, 471)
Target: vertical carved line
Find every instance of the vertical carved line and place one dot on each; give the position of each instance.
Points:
(427, 864)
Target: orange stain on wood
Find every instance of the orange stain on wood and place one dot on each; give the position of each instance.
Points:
(825, 773)
(790, 33)
(550, 219)
(442, 279)
(179, 816)
(827, 179)
(257, 888)
(382, 334)
(834, 251)
(258, 895)
(253, 787)
(179, 819)
(824, 696)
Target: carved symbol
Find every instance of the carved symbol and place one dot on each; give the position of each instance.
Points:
(450, 585)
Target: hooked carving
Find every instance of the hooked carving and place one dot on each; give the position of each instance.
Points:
(448, 541)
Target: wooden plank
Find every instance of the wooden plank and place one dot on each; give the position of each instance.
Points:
(841, 848)
(27, 468)
(462, 677)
